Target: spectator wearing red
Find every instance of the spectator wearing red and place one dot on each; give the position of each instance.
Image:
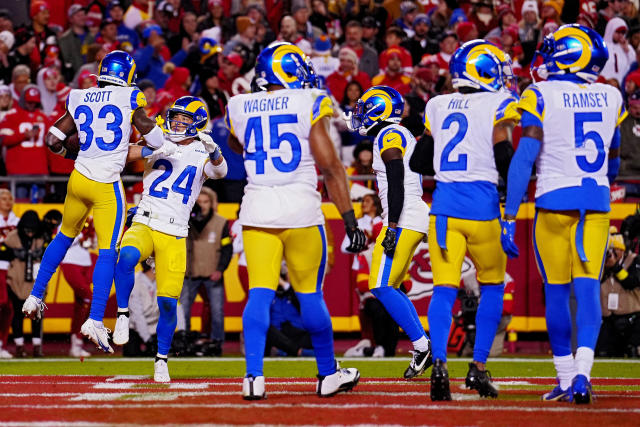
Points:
(47, 81)
(230, 66)
(483, 18)
(506, 17)
(393, 75)
(6, 103)
(8, 223)
(178, 82)
(510, 44)
(27, 125)
(448, 45)
(136, 14)
(367, 57)
(466, 31)
(347, 71)
(40, 15)
(393, 38)
(94, 19)
(108, 36)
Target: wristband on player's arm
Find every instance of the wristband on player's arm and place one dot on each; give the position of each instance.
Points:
(349, 218)
(155, 138)
(146, 152)
(217, 153)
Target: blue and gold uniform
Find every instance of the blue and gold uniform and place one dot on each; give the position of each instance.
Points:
(570, 130)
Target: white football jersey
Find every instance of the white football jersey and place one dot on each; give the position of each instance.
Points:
(579, 121)
(462, 129)
(171, 187)
(103, 119)
(415, 212)
(274, 128)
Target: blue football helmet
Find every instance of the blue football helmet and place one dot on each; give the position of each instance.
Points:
(377, 104)
(572, 52)
(117, 68)
(192, 107)
(285, 64)
(481, 65)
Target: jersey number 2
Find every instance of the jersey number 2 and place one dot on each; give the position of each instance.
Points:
(189, 173)
(463, 125)
(259, 155)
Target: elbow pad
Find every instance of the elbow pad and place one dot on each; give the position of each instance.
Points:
(502, 154)
(422, 158)
(395, 193)
(216, 172)
(155, 138)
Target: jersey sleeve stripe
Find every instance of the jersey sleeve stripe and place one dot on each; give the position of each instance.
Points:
(508, 110)
(532, 102)
(322, 107)
(227, 121)
(622, 114)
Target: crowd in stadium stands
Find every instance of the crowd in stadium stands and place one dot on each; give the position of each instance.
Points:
(208, 48)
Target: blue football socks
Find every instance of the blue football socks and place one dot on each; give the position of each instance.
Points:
(255, 323)
(589, 311)
(166, 323)
(52, 258)
(317, 321)
(125, 274)
(401, 310)
(558, 318)
(440, 319)
(487, 320)
(102, 281)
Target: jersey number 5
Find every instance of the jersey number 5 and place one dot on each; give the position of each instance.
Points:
(581, 137)
(189, 173)
(259, 155)
(463, 125)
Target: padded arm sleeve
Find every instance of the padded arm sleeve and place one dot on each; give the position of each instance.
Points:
(216, 172)
(422, 158)
(395, 194)
(155, 138)
(519, 173)
(502, 153)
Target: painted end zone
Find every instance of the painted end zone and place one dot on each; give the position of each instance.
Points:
(62, 400)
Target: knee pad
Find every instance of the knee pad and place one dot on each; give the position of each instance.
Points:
(129, 257)
(167, 305)
(315, 315)
(107, 255)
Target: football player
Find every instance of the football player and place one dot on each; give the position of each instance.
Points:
(283, 131)
(471, 134)
(570, 130)
(405, 215)
(172, 181)
(102, 117)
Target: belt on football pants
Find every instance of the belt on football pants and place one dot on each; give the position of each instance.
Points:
(150, 215)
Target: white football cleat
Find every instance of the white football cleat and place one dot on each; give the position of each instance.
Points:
(358, 349)
(378, 351)
(99, 335)
(121, 331)
(161, 371)
(253, 388)
(33, 307)
(76, 349)
(4, 354)
(344, 379)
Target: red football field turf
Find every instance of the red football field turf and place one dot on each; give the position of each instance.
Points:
(62, 400)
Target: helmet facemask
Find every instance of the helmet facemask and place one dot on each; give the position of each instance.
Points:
(180, 126)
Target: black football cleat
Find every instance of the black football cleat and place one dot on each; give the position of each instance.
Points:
(419, 363)
(480, 381)
(440, 382)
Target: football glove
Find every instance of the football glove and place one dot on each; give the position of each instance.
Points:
(389, 241)
(347, 118)
(507, 238)
(166, 150)
(209, 145)
(357, 240)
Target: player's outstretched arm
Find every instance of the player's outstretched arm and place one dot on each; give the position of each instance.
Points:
(61, 130)
(147, 127)
(216, 167)
(335, 178)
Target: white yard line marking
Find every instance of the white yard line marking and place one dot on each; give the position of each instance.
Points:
(141, 386)
(126, 377)
(343, 406)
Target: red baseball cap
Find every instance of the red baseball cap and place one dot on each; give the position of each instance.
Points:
(37, 7)
(235, 59)
(32, 95)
